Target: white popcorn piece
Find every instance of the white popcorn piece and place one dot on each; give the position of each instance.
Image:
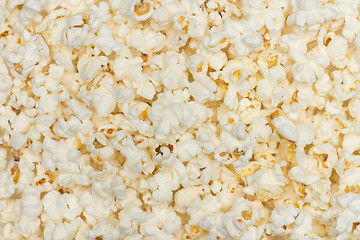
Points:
(336, 49)
(89, 68)
(59, 231)
(18, 141)
(31, 206)
(103, 101)
(106, 42)
(286, 128)
(30, 9)
(265, 189)
(5, 87)
(173, 73)
(7, 186)
(237, 71)
(282, 218)
(218, 60)
(243, 43)
(147, 41)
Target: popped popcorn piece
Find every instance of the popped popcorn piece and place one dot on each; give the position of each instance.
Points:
(286, 128)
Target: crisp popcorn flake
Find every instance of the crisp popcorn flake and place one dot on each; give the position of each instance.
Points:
(139, 119)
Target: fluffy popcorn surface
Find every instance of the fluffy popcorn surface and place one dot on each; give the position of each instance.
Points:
(192, 119)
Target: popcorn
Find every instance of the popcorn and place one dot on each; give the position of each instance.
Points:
(102, 229)
(93, 207)
(30, 204)
(106, 42)
(283, 219)
(61, 155)
(137, 10)
(91, 67)
(238, 70)
(216, 41)
(146, 41)
(30, 9)
(103, 101)
(345, 218)
(187, 149)
(179, 120)
(6, 84)
(175, 114)
(7, 186)
(247, 41)
(181, 202)
(259, 182)
(336, 47)
(286, 128)
(69, 207)
(172, 74)
(218, 60)
(18, 141)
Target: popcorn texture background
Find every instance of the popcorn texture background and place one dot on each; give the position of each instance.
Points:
(179, 119)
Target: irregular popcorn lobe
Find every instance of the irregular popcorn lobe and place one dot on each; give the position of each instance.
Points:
(154, 119)
(142, 8)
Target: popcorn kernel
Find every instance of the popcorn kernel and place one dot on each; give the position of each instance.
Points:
(237, 75)
(142, 8)
(194, 229)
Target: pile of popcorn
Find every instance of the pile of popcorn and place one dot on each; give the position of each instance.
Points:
(179, 119)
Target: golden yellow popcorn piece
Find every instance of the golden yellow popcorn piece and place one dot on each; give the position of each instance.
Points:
(352, 188)
(77, 143)
(144, 114)
(17, 154)
(4, 34)
(275, 114)
(246, 214)
(99, 161)
(185, 29)
(18, 68)
(40, 182)
(299, 188)
(194, 229)
(199, 68)
(237, 75)
(97, 144)
(340, 124)
(223, 40)
(16, 173)
(347, 165)
(51, 175)
(184, 24)
(250, 171)
(142, 8)
(295, 203)
(231, 168)
(290, 153)
(145, 57)
(64, 190)
(181, 19)
(267, 195)
(222, 87)
(100, 176)
(85, 18)
(62, 16)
